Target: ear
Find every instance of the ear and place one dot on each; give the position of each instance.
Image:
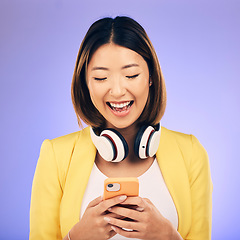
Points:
(150, 81)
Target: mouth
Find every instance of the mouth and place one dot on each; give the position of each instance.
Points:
(120, 107)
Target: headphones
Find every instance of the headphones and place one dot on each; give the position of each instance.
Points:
(112, 146)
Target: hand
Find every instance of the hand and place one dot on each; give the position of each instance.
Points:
(92, 224)
(147, 222)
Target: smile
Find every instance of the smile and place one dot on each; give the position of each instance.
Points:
(120, 107)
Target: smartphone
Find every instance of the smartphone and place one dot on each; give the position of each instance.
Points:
(120, 186)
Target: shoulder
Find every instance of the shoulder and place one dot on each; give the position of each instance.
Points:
(177, 136)
(188, 145)
(56, 154)
(63, 147)
(70, 138)
(181, 140)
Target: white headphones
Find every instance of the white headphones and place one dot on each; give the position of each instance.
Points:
(112, 146)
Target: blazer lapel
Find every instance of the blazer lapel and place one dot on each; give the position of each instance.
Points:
(174, 172)
(76, 182)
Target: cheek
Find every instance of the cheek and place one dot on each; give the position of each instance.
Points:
(96, 93)
(142, 90)
(92, 93)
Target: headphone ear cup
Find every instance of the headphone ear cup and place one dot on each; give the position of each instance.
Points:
(147, 141)
(103, 145)
(153, 143)
(118, 147)
(140, 144)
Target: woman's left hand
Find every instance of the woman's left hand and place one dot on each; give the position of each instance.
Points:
(148, 222)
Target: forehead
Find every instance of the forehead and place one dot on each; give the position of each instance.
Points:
(111, 55)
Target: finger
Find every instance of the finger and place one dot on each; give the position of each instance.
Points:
(123, 224)
(104, 205)
(126, 212)
(147, 200)
(112, 233)
(109, 232)
(137, 201)
(149, 205)
(114, 215)
(127, 234)
(95, 201)
(129, 206)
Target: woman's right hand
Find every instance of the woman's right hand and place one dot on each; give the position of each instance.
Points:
(92, 224)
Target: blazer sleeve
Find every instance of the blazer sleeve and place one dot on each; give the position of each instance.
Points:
(201, 193)
(46, 197)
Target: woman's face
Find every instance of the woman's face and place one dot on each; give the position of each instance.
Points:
(118, 82)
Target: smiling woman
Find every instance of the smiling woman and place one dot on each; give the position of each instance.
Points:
(118, 89)
(128, 39)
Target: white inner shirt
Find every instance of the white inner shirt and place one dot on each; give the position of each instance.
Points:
(151, 186)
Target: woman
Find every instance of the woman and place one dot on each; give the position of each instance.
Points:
(118, 84)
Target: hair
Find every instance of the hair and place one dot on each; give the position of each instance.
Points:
(125, 32)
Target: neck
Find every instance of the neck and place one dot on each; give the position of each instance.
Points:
(129, 133)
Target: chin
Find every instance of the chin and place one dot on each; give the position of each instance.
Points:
(121, 126)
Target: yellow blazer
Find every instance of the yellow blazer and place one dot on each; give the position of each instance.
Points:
(65, 164)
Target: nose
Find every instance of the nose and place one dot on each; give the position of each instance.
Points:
(117, 88)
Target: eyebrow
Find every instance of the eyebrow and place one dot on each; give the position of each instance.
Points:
(130, 65)
(100, 68)
(124, 67)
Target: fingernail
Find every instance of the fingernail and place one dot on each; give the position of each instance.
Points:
(123, 197)
(107, 219)
(140, 209)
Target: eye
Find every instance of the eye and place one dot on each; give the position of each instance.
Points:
(100, 79)
(133, 76)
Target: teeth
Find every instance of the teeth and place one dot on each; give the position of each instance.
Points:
(121, 105)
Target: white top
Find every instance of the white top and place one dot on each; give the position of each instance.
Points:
(151, 186)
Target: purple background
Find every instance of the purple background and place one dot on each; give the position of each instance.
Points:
(198, 45)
